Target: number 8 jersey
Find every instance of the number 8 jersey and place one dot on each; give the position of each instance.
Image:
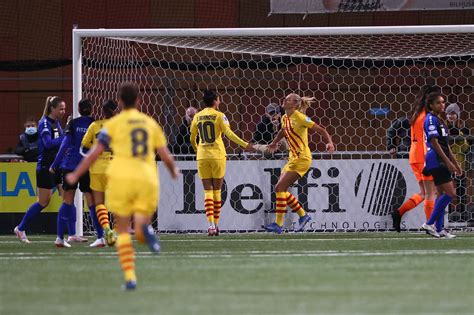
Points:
(211, 124)
(133, 137)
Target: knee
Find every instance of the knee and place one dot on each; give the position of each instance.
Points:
(279, 188)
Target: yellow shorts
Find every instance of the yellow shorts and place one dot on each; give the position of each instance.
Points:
(98, 182)
(125, 197)
(300, 166)
(211, 168)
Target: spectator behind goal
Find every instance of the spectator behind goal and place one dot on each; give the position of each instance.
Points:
(27, 147)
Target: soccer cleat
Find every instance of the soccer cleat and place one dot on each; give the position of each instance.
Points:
(76, 239)
(430, 229)
(211, 231)
(302, 221)
(61, 243)
(151, 238)
(100, 242)
(217, 231)
(273, 227)
(397, 220)
(21, 235)
(110, 236)
(446, 234)
(130, 285)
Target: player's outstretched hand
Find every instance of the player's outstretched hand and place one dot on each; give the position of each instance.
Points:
(272, 147)
(52, 170)
(175, 173)
(71, 178)
(458, 170)
(330, 147)
(250, 148)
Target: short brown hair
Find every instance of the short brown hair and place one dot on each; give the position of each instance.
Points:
(128, 94)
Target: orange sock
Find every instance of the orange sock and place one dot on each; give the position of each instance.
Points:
(411, 203)
(103, 216)
(429, 206)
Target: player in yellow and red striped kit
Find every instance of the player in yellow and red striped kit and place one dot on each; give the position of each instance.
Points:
(295, 125)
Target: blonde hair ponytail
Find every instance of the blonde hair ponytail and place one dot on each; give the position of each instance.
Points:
(51, 102)
(304, 103)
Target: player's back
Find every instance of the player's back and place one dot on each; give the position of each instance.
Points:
(90, 140)
(418, 145)
(209, 123)
(133, 138)
(76, 129)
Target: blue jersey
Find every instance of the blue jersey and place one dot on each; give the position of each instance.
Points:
(434, 128)
(51, 135)
(69, 155)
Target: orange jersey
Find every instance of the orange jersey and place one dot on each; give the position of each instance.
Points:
(418, 145)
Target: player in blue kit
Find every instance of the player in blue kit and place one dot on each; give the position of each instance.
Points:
(51, 135)
(439, 163)
(65, 162)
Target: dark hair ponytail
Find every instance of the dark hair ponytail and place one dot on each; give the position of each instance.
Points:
(420, 101)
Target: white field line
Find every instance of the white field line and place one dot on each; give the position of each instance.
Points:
(239, 254)
(276, 239)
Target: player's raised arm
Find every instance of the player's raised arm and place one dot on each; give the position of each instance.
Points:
(225, 127)
(320, 129)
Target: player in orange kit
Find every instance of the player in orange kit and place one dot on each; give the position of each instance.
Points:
(417, 160)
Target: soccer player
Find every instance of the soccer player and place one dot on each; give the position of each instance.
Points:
(132, 186)
(51, 135)
(210, 124)
(66, 161)
(440, 163)
(417, 161)
(295, 125)
(98, 178)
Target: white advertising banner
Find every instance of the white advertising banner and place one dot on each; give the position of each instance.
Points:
(338, 195)
(330, 6)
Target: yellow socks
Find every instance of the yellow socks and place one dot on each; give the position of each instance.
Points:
(280, 207)
(209, 206)
(103, 216)
(217, 205)
(293, 203)
(126, 255)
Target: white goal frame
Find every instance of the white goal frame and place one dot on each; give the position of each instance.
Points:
(79, 34)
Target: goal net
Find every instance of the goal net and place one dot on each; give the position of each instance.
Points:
(364, 81)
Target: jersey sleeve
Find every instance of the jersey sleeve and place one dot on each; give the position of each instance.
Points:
(305, 121)
(223, 123)
(193, 134)
(88, 137)
(160, 137)
(431, 127)
(106, 134)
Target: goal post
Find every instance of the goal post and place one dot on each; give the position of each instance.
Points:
(363, 78)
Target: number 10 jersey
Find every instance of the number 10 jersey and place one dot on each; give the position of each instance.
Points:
(211, 124)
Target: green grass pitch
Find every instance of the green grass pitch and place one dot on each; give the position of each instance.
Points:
(331, 273)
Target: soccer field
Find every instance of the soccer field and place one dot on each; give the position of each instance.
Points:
(349, 273)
